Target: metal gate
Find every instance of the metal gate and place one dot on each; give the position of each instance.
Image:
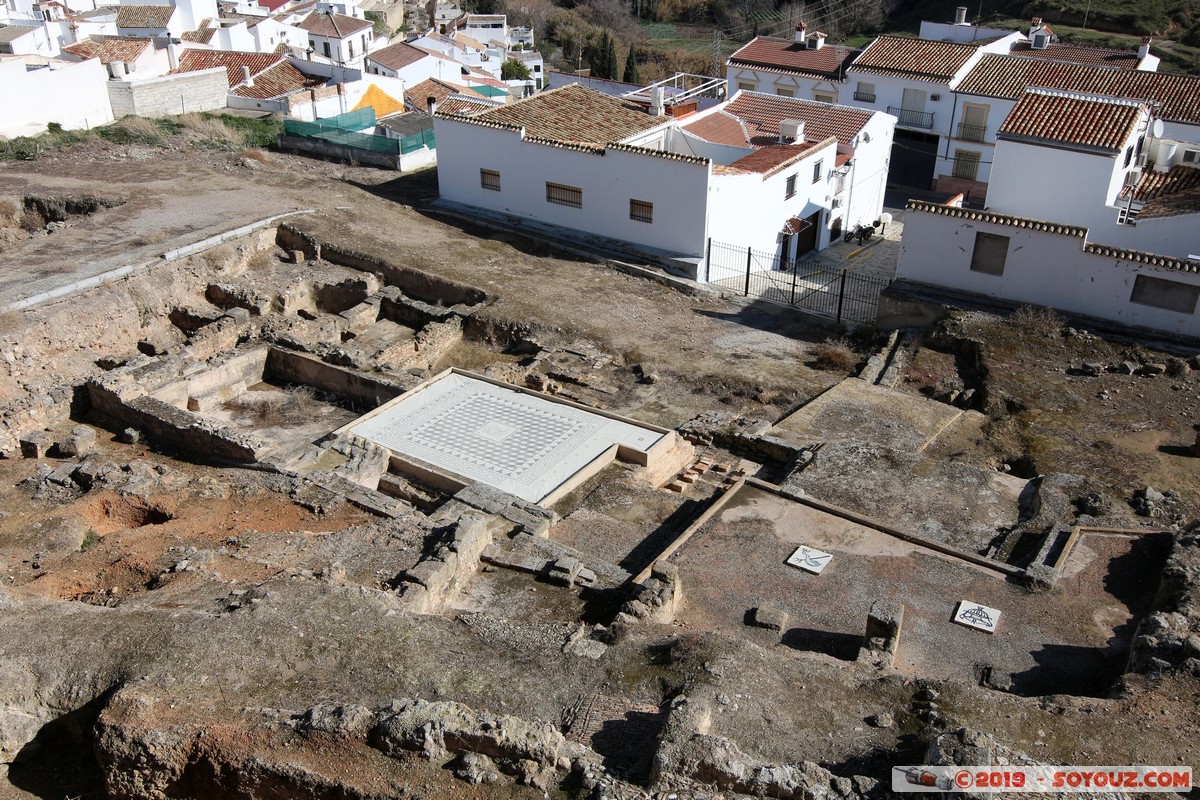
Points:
(838, 294)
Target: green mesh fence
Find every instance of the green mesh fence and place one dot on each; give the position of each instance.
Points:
(418, 140)
(344, 130)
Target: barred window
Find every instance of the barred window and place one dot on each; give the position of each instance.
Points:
(489, 179)
(641, 210)
(789, 189)
(564, 195)
(966, 164)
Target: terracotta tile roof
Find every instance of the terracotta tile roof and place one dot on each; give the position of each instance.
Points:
(1084, 121)
(465, 105)
(791, 58)
(273, 74)
(1168, 194)
(272, 5)
(1096, 56)
(920, 58)
(1008, 77)
(144, 16)
(333, 26)
(762, 114)
(574, 115)
(397, 56)
(720, 127)
(418, 95)
(997, 219)
(203, 33)
(774, 158)
(276, 81)
(1139, 257)
(110, 48)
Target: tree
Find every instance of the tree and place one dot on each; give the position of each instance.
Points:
(631, 68)
(513, 70)
(604, 63)
(610, 57)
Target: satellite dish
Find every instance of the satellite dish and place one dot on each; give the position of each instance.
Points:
(1157, 128)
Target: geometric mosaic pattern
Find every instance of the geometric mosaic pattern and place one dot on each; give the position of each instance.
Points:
(502, 437)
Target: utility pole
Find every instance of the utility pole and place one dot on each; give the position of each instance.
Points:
(718, 52)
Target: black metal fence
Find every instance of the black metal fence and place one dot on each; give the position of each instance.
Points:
(839, 294)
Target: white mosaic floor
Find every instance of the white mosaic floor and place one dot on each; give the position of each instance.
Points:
(505, 438)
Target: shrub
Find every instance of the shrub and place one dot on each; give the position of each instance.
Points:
(834, 355)
(10, 214)
(32, 221)
(1038, 320)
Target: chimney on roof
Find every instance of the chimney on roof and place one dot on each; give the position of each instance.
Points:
(247, 78)
(816, 41)
(431, 104)
(791, 131)
(802, 33)
(173, 55)
(960, 15)
(656, 101)
(1039, 34)
(1144, 50)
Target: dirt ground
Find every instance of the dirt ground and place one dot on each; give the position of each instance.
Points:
(188, 616)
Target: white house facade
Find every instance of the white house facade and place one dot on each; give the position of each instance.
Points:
(758, 172)
(1024, 260)
(337, 38)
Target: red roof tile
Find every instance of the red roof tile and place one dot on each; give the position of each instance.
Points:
(278, 80)
(273, 74)
(574, 115)
(1168, 194)
(720, 127)
(1042, 116)
(773, 158)
(203, 33)
(762, 114)
(920, 58)
(397, 56)
(1096, 56)
(144, 16)
(1008, 77)
(790, 57)
(110, 48)
(418, 96)
(333, 26)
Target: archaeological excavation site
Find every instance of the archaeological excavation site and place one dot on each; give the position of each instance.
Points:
(309, 489)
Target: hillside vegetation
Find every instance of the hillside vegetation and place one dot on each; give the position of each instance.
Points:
(698, 35)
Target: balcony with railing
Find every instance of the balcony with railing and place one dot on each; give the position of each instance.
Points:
(971, 133)
(912, 119)
(865, 97)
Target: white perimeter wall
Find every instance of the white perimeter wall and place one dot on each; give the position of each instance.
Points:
(678, 189)
(73, 95)
(1042, 268)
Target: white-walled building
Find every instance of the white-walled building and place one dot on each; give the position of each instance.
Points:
(25, 40)
(338, 39)
(1025, 260)
(759, 171)
(804, 66)
(1097, 165)
(990, 91)
(35, 91)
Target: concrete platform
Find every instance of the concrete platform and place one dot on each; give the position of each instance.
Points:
(861, 410)
(521, 442)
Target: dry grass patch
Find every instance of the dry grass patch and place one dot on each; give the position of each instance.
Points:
(835, 355)
(209, 129)
(254, 154)
(294, 405)
(1038, 320)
